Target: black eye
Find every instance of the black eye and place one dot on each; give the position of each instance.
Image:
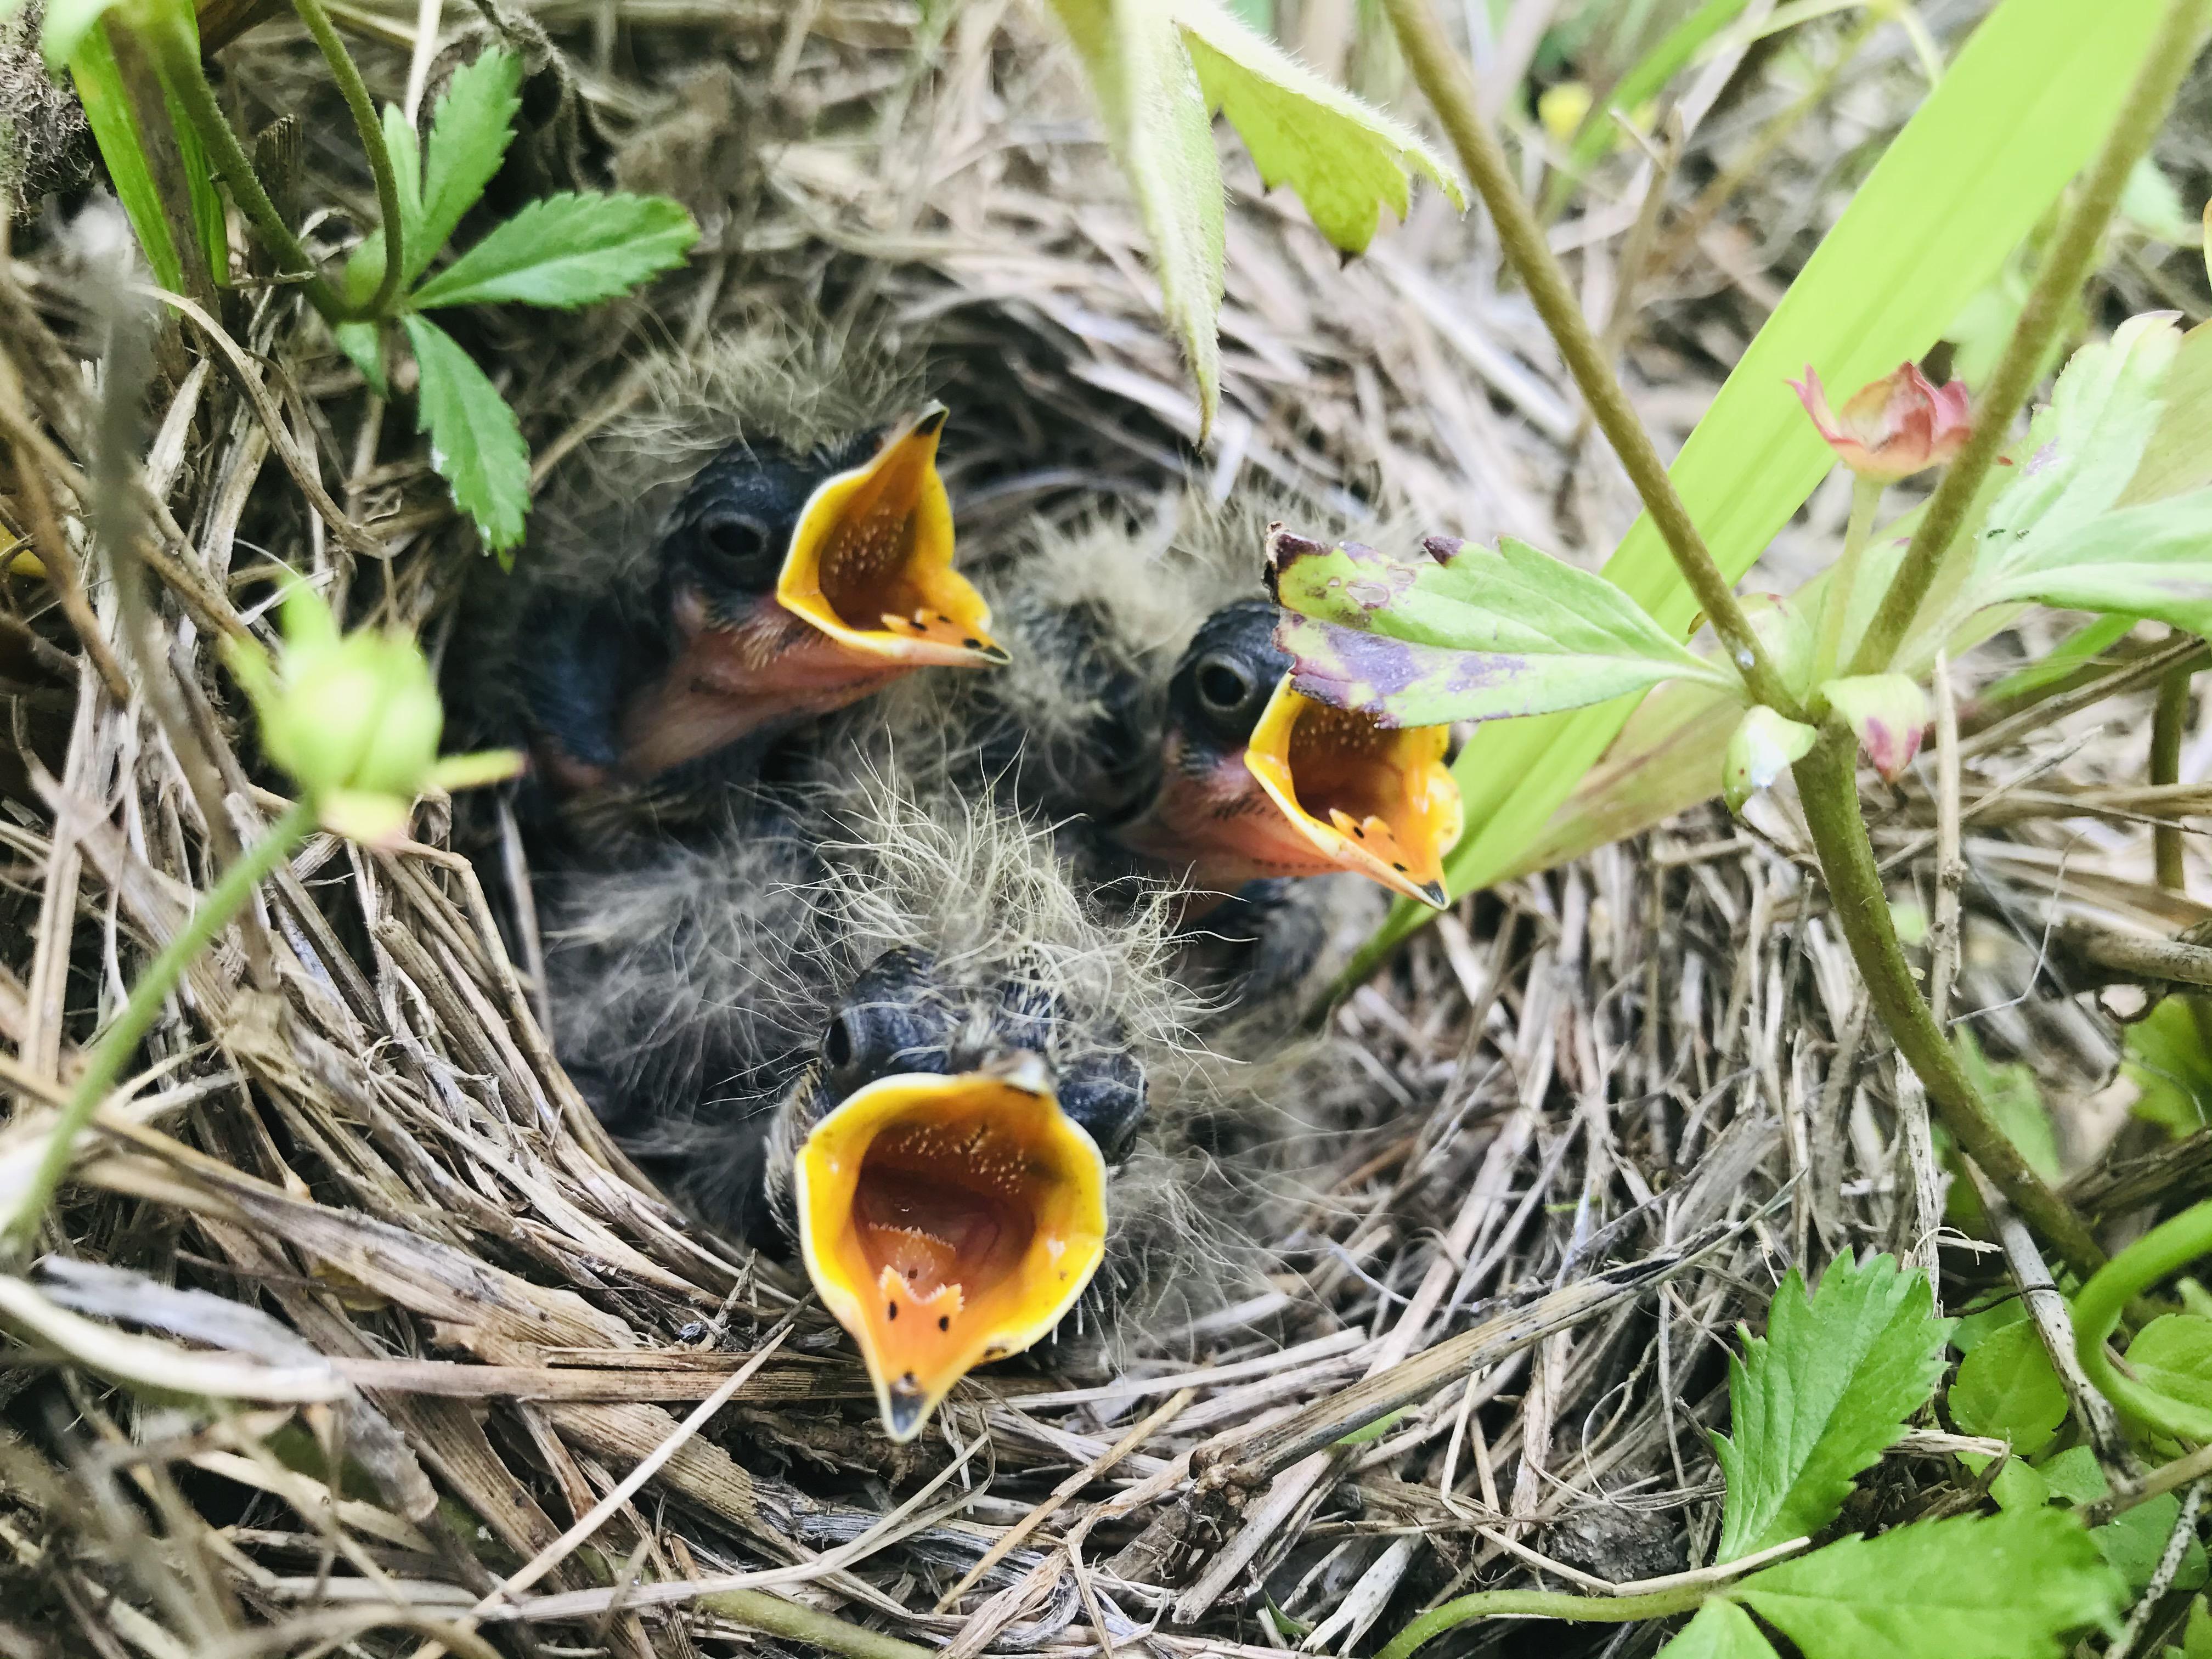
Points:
(1223, 685)
(736, 540)
(837, 1043)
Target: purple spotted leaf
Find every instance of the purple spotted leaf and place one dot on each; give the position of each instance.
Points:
(1889, 712)
(1463, 632)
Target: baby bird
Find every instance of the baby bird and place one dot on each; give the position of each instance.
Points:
(893, 1040)
(1147, 714)
(770, 540)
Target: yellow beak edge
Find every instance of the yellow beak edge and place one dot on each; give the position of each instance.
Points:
(946, 1221)
(871, 561)
(1368, 798)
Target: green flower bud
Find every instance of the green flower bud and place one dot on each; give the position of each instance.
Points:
(354, 719)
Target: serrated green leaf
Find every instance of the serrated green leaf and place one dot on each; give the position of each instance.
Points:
(363, 344)
(1721, 1630)
(1155, 116)
(566, 251)
(2172, 1354)
(1462, 632)
(471, 127)
(1822, 1395)
(476, 444)
(1347, 159)
(2022, 106)
(2166, 1060)
(64, 27)
(2151, 561)
(2006, 1586)
(2006, 1390)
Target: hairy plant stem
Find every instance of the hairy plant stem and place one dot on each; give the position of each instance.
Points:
(2064, 268)
(356, 92)
(1546, 1604)
(1835, 609)
(2166, 1249)
(171, 47)
(1827, 785)
(104, 1065)
(1448, 85)
(2168, 721)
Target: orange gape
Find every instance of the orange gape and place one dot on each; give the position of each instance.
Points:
(1369, 798)
(871, 563)
(946, 1221)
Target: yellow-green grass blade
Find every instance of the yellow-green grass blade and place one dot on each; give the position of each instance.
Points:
(2015, 118)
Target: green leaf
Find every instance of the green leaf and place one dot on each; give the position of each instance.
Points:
(1822, 1395)
(2151, 561)
(2022, 107)
(2007, 1390)
(2005, 1586)
(364, 266)
(471, 127)
(1156, 120)
(566, 251)
(363, 342)
(108, 113)
(1765, 746)
(1721, 1630)
(2173, 1355)
(2166, 1060)
(1346, 160)
(476, 444)
(2015, 1100)
(65, 27)
(1157, 69)
(1462, 633)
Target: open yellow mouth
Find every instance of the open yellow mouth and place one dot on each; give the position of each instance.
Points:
(871, 561)
(947, 1221)
(1368, 798)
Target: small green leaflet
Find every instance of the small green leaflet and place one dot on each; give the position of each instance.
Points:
(566, 251)
(1347, 159)
(2173, 1355)
(2006, 1586)
(471, 127)
(2007, 1390)
(1157, 69)
(1822, 1395)
(1721, 1630)
(1464, 633)
(475, 443)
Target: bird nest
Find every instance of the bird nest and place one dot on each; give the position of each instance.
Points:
(488, 1390)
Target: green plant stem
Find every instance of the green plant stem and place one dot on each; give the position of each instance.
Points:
(1546, 1604)
(104, 1065)
(2166, 1249)
(2064, 268)
(173, 49)
(758, 1610)
(1448, 85)
(363, 110)
(1835, 609)
(2168, 721)
(1827, 785)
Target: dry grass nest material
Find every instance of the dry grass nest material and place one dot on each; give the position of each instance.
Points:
(1595, 1114)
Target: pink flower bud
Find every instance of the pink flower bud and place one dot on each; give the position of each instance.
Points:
(1891, 427)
